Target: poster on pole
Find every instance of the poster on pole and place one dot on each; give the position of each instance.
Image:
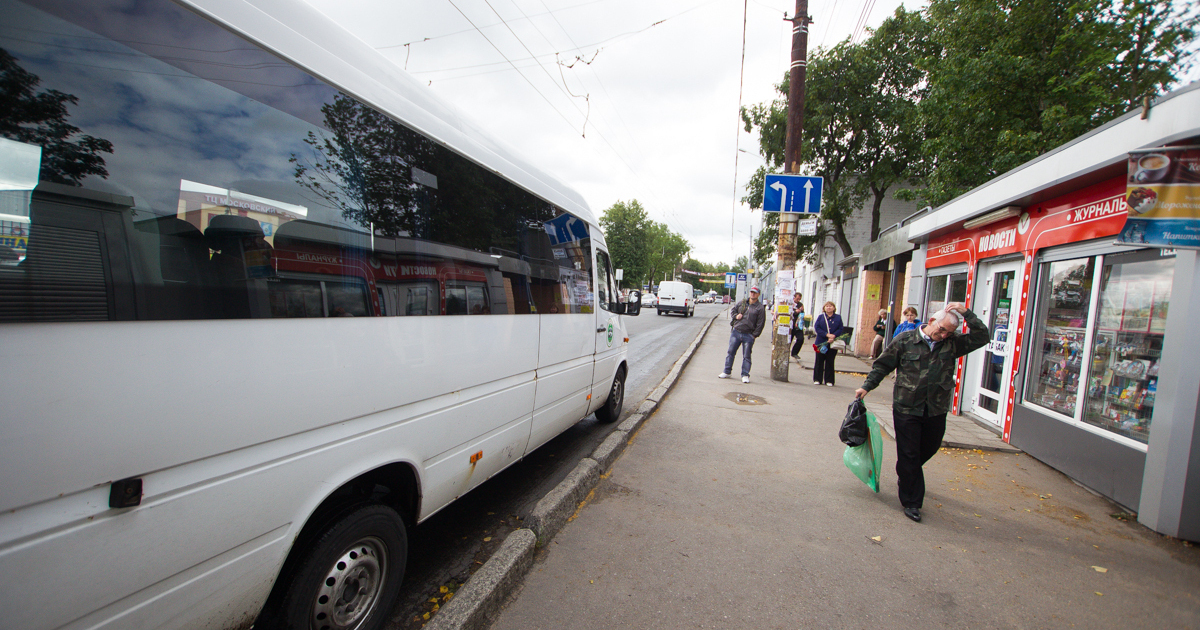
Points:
(1162, 195)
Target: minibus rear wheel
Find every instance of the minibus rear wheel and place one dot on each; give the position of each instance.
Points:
(616, 397)
(350, 577)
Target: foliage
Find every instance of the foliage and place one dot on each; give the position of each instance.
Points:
(945, 99)
(1017, 78)
(664, 251)
(645, 249)
(625, 232)
(40, 118)
(859, 126)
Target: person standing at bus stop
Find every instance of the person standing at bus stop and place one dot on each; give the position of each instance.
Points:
(924, 360)
(828, 326)
(797, 324)
(747, 320)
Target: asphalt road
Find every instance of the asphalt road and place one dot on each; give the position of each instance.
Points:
(449, 546)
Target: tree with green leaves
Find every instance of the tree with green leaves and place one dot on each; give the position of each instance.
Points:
(625, 225)
(40, 118)
(665, 250)
(859, 128)
(1013, 79)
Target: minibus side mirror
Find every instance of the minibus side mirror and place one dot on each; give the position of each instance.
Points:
(634, 304)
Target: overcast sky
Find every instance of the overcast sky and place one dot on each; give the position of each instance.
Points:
(661, 77)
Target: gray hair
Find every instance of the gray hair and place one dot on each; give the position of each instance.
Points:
(943, 314)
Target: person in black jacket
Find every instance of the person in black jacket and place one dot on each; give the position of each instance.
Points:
(827, 325)
(747, 320)
(797, 324)
(880, 334)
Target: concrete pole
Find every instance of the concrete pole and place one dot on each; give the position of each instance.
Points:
(788, 221)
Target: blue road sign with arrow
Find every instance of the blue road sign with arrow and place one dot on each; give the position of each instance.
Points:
(792, 193)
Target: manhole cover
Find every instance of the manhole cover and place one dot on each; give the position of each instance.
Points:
(745, 399)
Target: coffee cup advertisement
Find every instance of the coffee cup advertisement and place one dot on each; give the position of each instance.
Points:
(1163, 198)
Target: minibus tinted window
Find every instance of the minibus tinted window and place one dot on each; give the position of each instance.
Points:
(203, 174)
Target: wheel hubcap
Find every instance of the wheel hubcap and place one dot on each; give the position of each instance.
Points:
(352, 586)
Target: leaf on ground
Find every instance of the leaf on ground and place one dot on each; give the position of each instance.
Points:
(488, 539)
(877, 538)
(1100, 569)
(1099, 593)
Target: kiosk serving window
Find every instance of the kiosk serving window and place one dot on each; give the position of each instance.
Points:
(1103, 319)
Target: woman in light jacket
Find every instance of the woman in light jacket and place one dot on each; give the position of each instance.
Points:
(827, 325)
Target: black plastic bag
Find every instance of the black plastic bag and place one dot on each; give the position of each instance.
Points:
(854, 427)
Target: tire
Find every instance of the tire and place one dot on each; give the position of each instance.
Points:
(616, 398)
(660, 311)
(365, 548)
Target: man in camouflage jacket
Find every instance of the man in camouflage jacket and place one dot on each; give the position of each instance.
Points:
(924, 360)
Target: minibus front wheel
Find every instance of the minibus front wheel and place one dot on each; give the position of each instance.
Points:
(611, 410)
(350, 577)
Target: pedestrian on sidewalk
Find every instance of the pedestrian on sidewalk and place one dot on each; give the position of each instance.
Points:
(797, 324)
(880, 333)
(924, 360)
(909, 323)
(828, 326)
(747, 320)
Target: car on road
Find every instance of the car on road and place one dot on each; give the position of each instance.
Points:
(649, 299)
(725, 299)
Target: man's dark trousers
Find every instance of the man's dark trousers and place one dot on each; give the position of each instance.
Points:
(918, 439)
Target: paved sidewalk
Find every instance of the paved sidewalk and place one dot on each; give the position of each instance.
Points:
(731, 508)
(961, 431)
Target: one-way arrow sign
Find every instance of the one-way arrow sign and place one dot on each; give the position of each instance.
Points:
(792, 193)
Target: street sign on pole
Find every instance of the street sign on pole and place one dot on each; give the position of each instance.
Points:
(730, 279)
(792, 193)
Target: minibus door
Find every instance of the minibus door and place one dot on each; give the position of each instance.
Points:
(610, 336)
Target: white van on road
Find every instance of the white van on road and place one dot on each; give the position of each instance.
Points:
(676, 297)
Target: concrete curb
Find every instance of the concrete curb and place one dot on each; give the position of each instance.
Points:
(477, 602)
(610, 449)
(980, 447)
(632, 423)
(552, 512)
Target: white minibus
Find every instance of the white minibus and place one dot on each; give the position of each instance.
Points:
(266, 304)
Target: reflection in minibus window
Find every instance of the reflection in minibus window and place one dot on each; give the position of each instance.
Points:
(456, 301)
(477, 301)
(418, 302)
(295, 298)
(346, 300)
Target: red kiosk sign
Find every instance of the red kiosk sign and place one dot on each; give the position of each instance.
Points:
(1097, 211)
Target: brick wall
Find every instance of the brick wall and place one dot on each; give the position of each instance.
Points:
(869, 311)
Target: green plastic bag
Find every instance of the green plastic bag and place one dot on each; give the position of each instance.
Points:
(866, 460)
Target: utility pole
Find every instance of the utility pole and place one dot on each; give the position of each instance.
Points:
(788, 221)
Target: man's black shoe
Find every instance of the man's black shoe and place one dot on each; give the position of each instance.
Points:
(913, 513)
